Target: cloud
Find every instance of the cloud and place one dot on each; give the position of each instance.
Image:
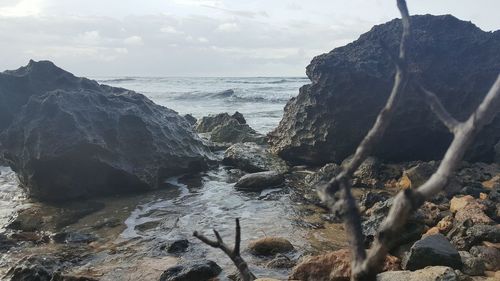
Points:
(228, 27)
(21, 8)
(133, 41)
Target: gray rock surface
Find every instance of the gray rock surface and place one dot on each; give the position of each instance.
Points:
(330, 116)
(430, 251)
(432, 273)
(75, 138)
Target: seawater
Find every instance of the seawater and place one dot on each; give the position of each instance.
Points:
(260, 99)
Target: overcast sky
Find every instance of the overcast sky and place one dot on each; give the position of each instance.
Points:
(200, 37)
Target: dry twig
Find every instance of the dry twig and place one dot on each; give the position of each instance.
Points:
(233, 254)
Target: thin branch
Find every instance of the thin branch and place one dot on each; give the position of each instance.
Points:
(366, 146)
(437, 107)
(233, 254)
(408, 201)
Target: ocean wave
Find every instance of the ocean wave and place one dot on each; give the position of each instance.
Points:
(280, 81)
(116, 80)
(230, 95)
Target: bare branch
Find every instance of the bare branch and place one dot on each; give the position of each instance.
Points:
(327, 193)
(408, 201)
(438, 109)
(233, 254)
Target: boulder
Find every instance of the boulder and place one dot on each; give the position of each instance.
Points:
(208, 123)
(260, 181)
(75, 138)
(269, 246)
(432, 250)
(253, 158)
(333, 266)
(431, 273)
(350, 85)
(233, 132)
(192, 271)
(281, 261)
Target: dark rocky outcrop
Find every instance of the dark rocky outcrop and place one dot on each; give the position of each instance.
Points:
(330, 116)
(70, 137)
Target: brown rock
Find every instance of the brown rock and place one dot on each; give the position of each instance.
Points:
(269, 246)
(475, 212)
(457, 203)
(431, 231)
(493, 182)
(333, 266)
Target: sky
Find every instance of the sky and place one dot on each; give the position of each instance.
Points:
(200, 37)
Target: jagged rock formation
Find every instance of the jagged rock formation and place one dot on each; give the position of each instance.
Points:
(69, 137)
(330, 116)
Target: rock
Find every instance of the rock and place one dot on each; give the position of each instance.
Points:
(431, 273)
(370, 198)
(260, 181)
(239, 117)
(73, 237)
(323, 175)
(475, 213)
(430, 251)
(269, 246)
(458, 203)
(233, 132)
(28, 220)
(178, 246)
(418, 174)
(208, 123)
(191, 119)
(6, 243)
(445, 224)
(472, 265)
(489, 255)
(34, 267)
(253, 158)
(429, 213)
(281, 261)
(333, 266)
(192, 271)
(75, 138)
(350, 85)
(60, 277)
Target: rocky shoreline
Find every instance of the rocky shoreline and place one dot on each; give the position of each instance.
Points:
(146, 177)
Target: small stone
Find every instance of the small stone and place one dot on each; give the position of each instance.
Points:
(178, 246)
(192, 271)
(260, 181)
(445, 224)
(432, 250)
(269, 246)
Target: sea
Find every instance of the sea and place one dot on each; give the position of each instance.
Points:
(260, 99)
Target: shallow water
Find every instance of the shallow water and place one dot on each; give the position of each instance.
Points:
(260, 99)
(187, 204)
